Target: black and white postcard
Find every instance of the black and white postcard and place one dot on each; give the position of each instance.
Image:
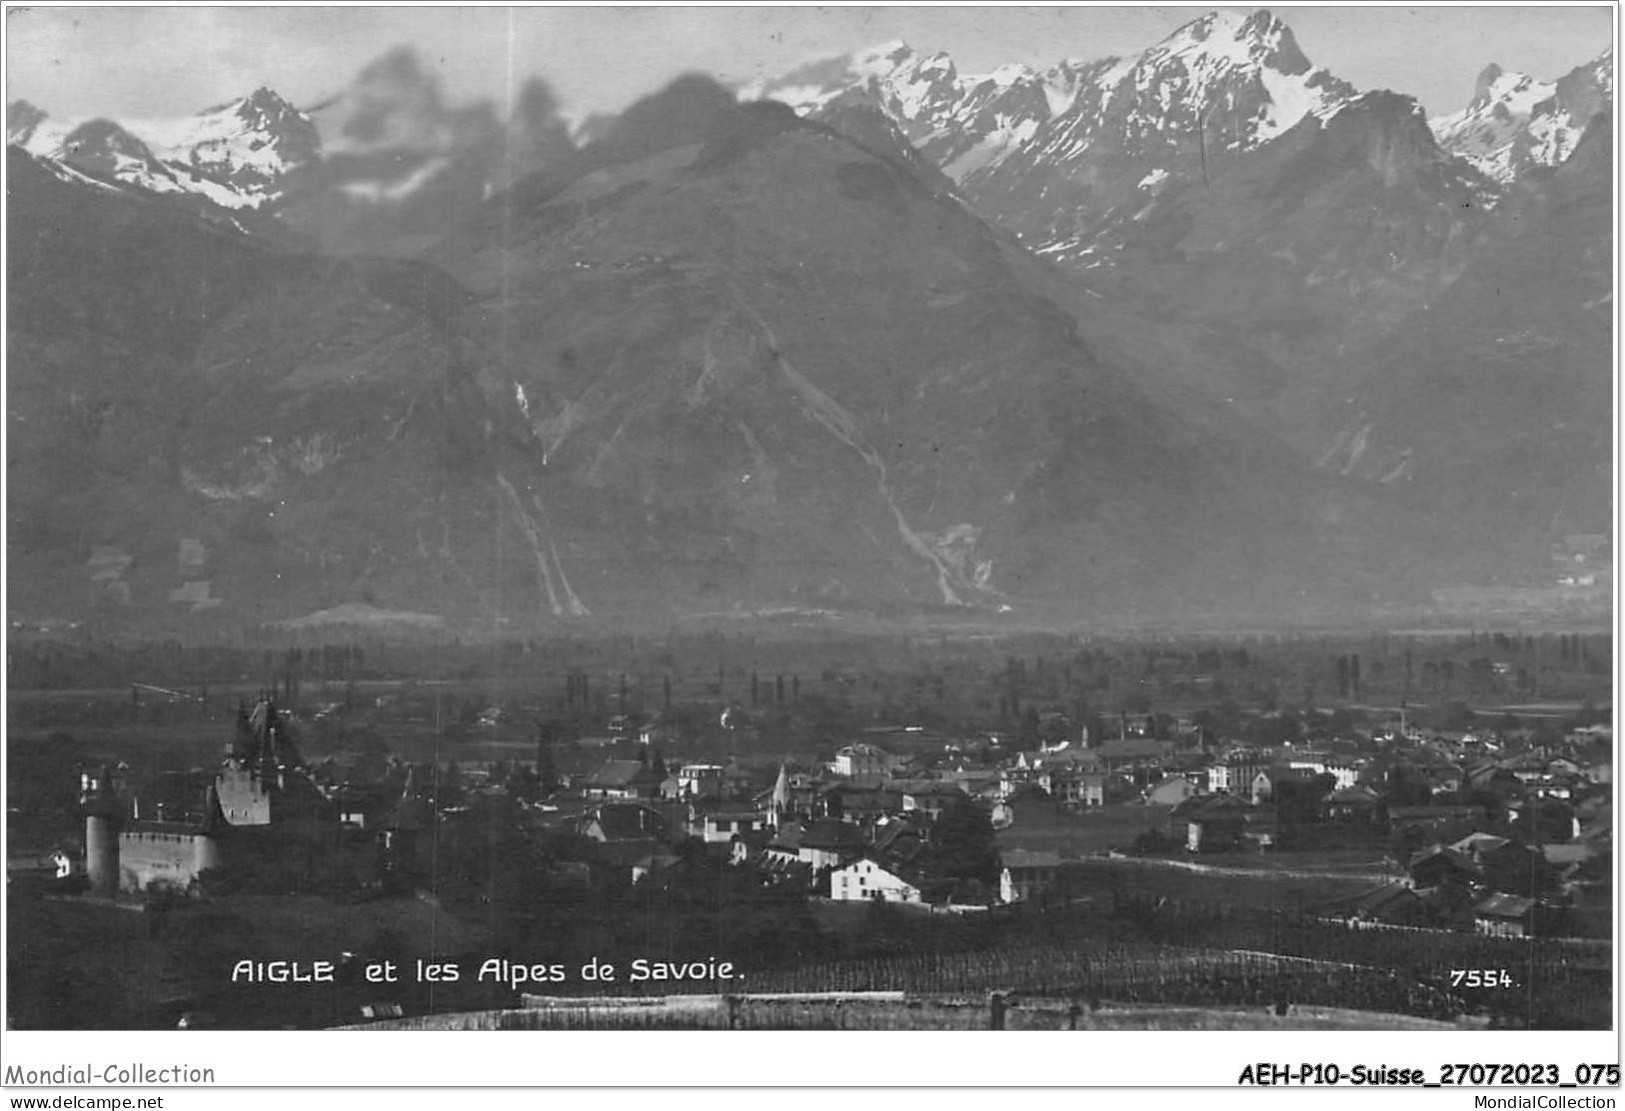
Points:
(588, 519)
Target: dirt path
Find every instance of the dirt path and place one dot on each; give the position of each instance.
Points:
(1259, 873)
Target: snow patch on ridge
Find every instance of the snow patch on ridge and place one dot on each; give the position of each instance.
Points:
(380, 192)
(997, 145)
(1291, 99)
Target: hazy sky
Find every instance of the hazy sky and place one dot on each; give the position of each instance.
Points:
(135, 62)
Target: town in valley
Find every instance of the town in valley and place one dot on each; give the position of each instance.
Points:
(1277, 828)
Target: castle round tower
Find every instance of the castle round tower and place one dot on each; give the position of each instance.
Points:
(102, 819)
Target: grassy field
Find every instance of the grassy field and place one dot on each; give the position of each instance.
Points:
(1267, 889)
(1089, 831)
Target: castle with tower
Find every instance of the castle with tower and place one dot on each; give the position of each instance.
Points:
(262, 785)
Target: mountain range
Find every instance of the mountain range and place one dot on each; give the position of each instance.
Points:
(1272, 225)
(1204, 334)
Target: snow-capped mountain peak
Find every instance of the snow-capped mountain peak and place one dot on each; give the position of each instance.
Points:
(1050, 152)
(1603, 67)
(1197, 68)
(1515, 122)
(1228, 37)
(1228, 63)
(1511, 91)
(247, 145)
(102, 149)
(265, 108)
(234, 155)
(814, 83)
(892, 75)
(1485, 131)
(1002, 77)
(959, 122)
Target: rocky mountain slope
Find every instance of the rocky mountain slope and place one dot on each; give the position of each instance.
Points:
(721, 358)
(1302, 252)
(1498, 391)
(1275, 243)
(1200, 334)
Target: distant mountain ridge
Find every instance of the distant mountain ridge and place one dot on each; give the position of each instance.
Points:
(722, 358)
(1049, 154)
(383, 166)
(1277, 230)
(234, 156)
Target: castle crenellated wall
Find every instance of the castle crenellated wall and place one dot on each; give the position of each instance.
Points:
(156, 859)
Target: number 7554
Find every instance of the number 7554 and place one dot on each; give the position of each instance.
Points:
(1480, 978)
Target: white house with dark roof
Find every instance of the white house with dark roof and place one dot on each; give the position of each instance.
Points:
(867, 878)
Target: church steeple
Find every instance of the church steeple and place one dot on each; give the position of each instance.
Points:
(781, 797)
(243, 747)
